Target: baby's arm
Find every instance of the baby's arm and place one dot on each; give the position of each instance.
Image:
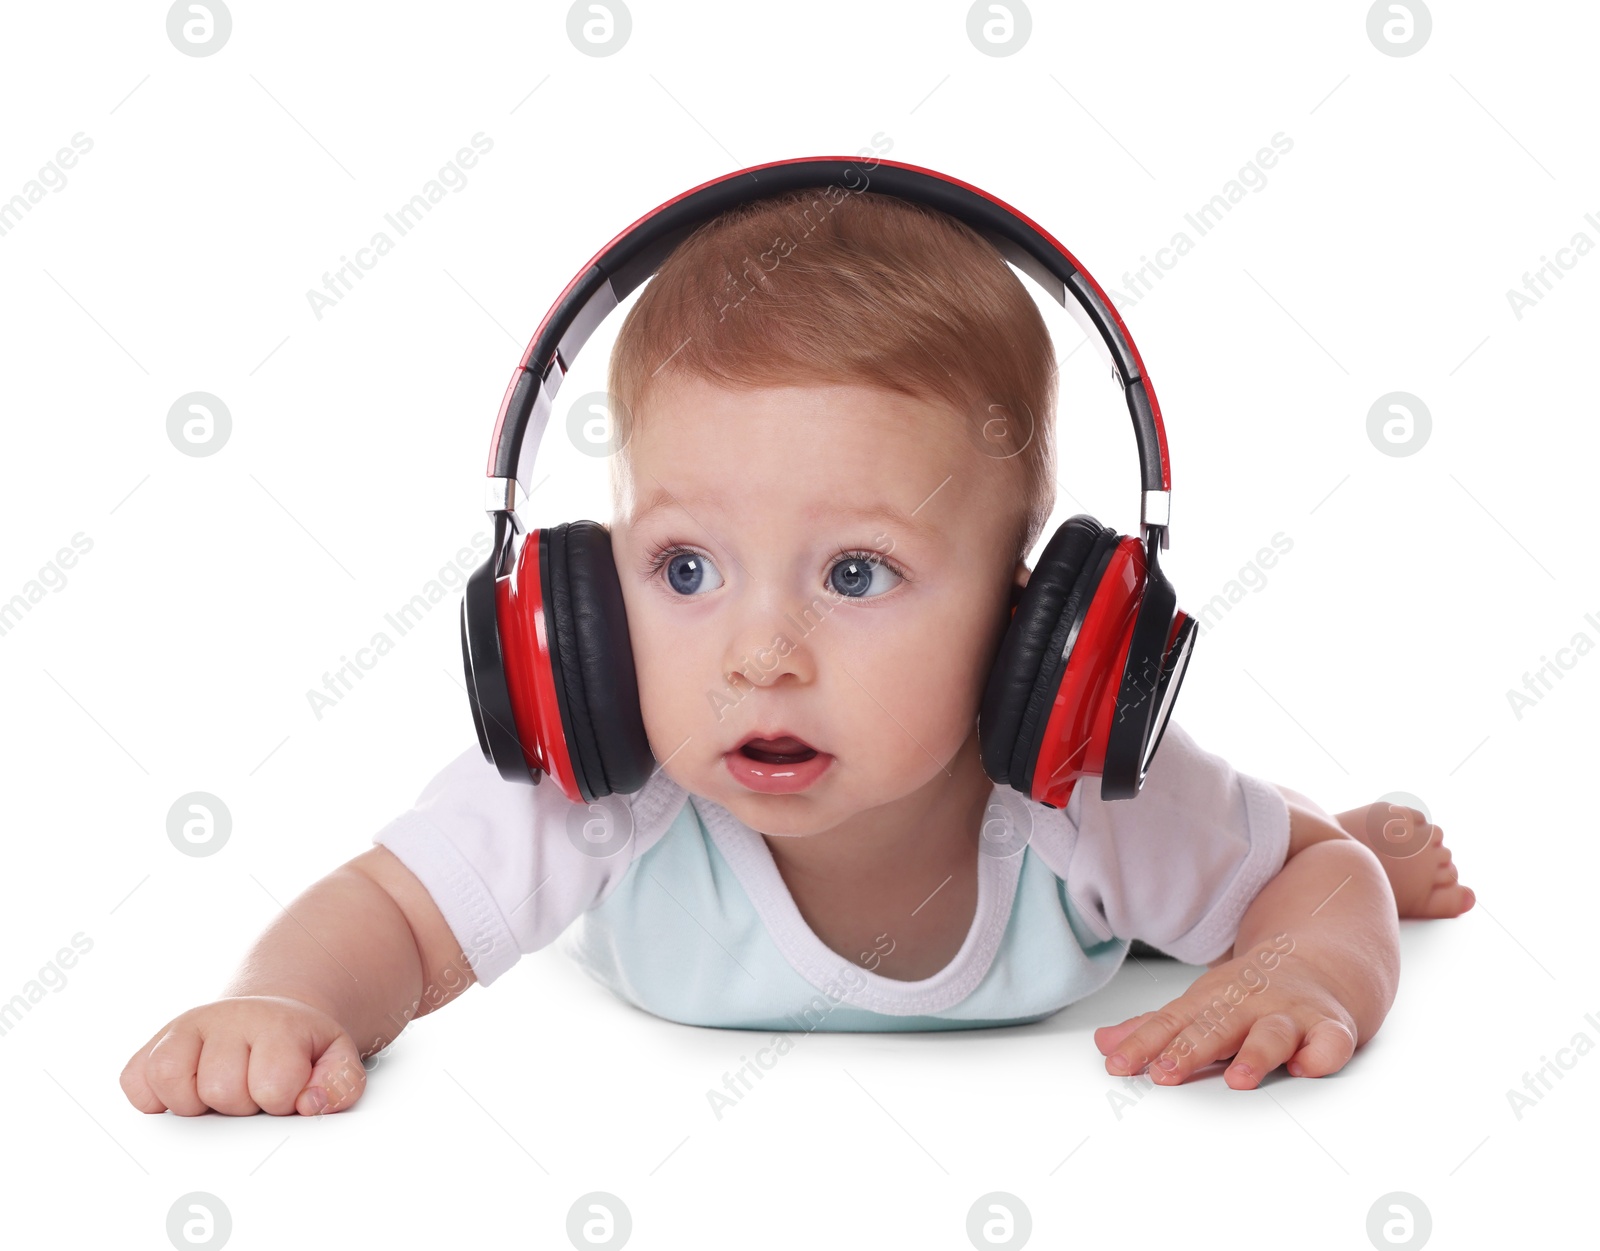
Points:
(355, 956)
(1312, 974)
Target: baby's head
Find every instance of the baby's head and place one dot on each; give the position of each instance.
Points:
(837, 418)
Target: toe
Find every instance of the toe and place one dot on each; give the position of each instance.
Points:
(1449, 901)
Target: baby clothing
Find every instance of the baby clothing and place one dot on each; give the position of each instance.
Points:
(678, 907)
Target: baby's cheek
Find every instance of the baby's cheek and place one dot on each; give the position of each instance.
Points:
(681, 703)
(932, 677)
(664, 684)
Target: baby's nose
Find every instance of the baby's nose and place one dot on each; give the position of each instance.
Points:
(767, 650)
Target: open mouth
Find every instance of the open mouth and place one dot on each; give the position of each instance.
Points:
(777, 763)
(782, 750)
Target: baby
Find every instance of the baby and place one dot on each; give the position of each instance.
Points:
(819, 548)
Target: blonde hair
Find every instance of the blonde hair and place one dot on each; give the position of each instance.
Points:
(829, 286)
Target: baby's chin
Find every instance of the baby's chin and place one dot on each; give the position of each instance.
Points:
(821, 807)
(785, 816)
(780, 816)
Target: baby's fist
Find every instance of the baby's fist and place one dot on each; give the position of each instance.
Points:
(246, 1055)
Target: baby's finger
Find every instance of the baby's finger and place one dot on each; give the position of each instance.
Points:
(339, 1076)
(1328, 1048)
(1147, 1040)
(170, 1070)
(220, 1075)
(1211, 1036)
(1107, 1037)
(135, 1084)
(1271, 1041)
(280, 1063)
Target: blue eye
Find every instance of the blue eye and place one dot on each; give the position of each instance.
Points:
(690, 573)
(854, 576)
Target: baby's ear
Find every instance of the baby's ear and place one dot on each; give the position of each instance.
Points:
(1019, 580)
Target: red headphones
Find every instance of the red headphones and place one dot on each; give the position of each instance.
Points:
(1090, 665)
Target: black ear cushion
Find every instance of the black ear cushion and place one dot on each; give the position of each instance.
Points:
(592, 656)
(1025, 755)
(1016, 703)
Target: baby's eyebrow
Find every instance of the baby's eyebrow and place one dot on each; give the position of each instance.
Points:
(899, 522)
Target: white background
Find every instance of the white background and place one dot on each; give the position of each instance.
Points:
(218, 590)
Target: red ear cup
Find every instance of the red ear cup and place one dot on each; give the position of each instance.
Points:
(1152, 666)
(483, 661)
(1050, 711)
(524, 629)
(560, 663)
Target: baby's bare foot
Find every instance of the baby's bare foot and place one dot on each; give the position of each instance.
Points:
(1413, 854)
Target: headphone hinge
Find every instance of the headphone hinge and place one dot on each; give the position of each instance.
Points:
(1155, 512)
(500, 496)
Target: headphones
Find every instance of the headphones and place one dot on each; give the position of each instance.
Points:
(1096, 648)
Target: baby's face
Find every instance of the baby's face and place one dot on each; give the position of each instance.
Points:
(830, 562)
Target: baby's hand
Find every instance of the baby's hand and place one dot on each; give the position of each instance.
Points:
(1266, 1013)
(247, 1055)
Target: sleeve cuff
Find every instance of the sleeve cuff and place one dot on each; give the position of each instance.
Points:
(459, 892)
(1214, 933)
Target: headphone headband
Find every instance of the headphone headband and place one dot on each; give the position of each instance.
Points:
(636, 254)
